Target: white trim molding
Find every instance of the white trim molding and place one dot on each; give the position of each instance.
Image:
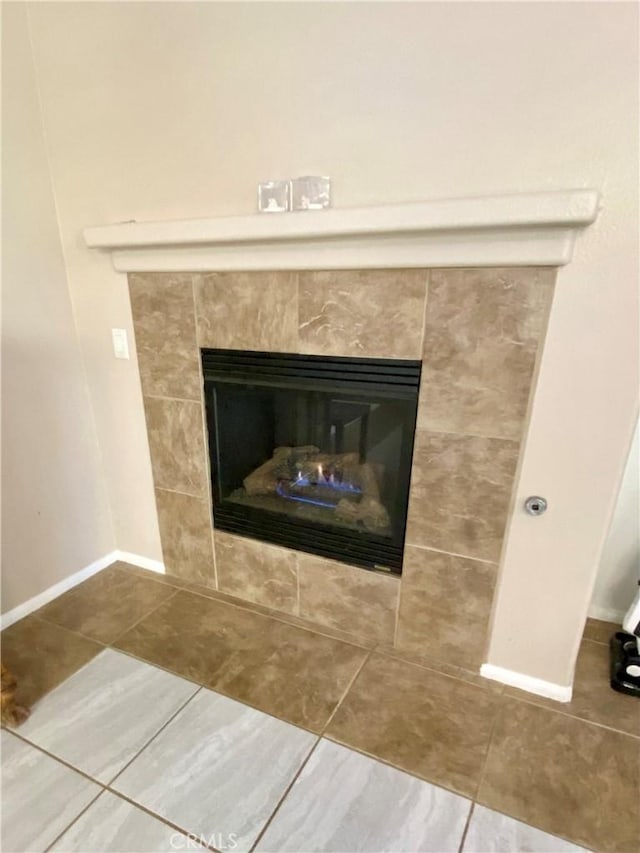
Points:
(141, 562)
(559, 692)
(535, 229)
(57, 589)
(47, 595)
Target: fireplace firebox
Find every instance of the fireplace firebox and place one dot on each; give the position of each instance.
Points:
(313, 452)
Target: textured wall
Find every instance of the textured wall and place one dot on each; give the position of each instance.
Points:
(56, 518)
(478, 333)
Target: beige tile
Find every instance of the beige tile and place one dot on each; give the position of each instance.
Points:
(426, 723)
(282, 615)
(248, 310)
(176, 443)
(286, 671)
(362, 312)
(565, 776)
(460, 493)
(438, 665)
(593, 698)
(600, 631)
(347, 598)
(445, 606)
(185, 532)
(165, 326)
(482, 331)
(106, 604)
(41, 655)
(258, 572)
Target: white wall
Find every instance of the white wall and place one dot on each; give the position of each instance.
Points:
(56, 517)
(170, 110)
(619, 570)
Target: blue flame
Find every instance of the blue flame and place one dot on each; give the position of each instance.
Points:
(302, 500)
(327, 482)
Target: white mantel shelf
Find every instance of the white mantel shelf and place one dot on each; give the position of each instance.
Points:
(536, 229)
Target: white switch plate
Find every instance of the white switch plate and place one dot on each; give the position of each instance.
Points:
(120, 343)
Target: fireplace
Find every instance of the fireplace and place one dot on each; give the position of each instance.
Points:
(311, 452)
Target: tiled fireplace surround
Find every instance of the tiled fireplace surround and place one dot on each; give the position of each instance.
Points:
(478, 332)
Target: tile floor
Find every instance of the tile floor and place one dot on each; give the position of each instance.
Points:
(167, 717)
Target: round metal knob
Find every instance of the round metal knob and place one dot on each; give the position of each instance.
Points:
(535, 505)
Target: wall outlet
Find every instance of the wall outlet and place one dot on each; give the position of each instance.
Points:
(120, 343)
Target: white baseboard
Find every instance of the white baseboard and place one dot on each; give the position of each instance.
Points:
(607, 614)
(141, 562)
(57, 589)
(549, 689)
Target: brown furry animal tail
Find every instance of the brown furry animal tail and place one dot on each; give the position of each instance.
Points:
(12, 713)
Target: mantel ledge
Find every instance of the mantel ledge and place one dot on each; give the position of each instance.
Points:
(517, 230)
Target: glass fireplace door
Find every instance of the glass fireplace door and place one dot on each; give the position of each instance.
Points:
(313, 453)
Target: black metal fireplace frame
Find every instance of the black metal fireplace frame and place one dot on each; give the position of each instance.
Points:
(393, 378)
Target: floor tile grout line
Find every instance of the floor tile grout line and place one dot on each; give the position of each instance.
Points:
(248, 606)
(573, 716)
(159, 666)
(56, 758)
(74, 821)
(287, 619)
(483, 769)
(107, 786)
(477, 802)
(154, 736)
(285, 795)
(217, 690)
(537, 828)
(161, 818)
(597, 642)
(466, 826)
(47, 621)
(374, 647)
(83, 773)
(394, 655)
(277, 618)
(352, 681)
(387, 763)
(142, 618)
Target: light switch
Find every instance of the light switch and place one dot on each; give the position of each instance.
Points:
(120, 343)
